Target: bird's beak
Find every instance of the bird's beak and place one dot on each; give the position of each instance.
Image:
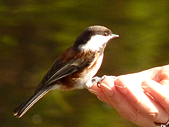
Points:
(114, 36)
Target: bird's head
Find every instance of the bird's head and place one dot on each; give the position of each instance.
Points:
(93, 38)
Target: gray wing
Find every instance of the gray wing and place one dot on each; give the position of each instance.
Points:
(60, 70)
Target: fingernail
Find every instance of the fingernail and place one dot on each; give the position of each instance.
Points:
(104, 85)
(144, 87)
(121, 88)
(152, 116)
(93, 91)
(106, 89)
(100, 98)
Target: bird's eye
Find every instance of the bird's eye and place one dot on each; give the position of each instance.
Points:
(105, 34)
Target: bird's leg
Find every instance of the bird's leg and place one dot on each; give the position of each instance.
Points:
(97, 80)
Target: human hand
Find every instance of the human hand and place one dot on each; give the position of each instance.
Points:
(140, 97)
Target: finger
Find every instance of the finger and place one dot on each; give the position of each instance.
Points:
(159, 93)
(123, 106)
(162, 75)
(95, 89)
(135, 95)
(98, 92)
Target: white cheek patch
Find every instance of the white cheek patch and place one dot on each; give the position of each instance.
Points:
(95, 42)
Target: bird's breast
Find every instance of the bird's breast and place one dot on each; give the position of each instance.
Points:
(78, 80)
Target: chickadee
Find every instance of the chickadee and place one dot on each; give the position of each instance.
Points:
(75, 68)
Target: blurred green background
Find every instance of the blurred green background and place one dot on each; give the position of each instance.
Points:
(33, 33)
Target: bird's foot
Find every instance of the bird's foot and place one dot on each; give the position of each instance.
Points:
(97, 80)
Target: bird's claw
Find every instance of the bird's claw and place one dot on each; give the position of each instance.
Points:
(97, 80)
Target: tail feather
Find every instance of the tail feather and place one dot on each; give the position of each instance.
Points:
(25, 106)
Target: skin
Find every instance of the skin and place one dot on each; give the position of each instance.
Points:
(142, 97)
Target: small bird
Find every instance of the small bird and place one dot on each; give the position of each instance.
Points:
(75, 68)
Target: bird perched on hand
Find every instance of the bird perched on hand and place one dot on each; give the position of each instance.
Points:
(75, 68)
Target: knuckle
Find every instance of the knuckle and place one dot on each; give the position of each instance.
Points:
(137, 101)
(120, 80)
(164, 100)
(118, 101)
(164, 73)
(129, 116)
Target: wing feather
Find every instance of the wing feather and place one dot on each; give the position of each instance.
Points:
(63, 69)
